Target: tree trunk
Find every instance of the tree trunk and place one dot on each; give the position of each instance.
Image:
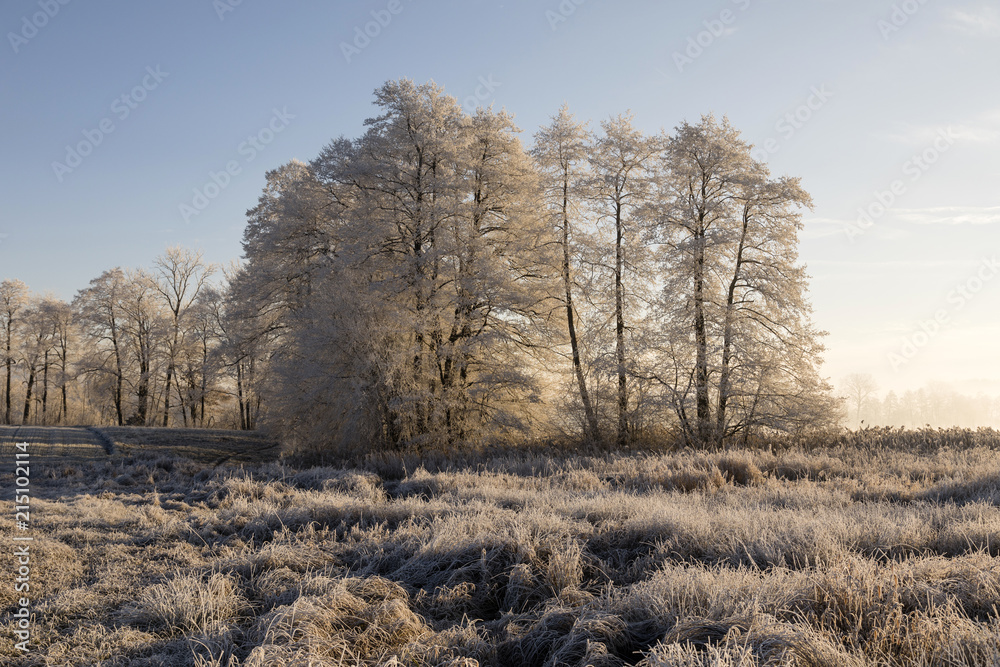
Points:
(727, 337)
(45, 386)
(27, 395)
(620, 331)
(180, 402)
(7, 360)
(704, 409)
(581, 380)
(119, 376)
(204, 378)
(239, 395)
(166, 395)
(142, 392)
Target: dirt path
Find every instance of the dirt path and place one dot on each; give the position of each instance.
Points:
(53, 445)
(52, 451)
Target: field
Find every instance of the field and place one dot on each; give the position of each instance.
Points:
(869, 551)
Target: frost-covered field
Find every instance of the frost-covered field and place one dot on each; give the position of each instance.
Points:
(855, 554)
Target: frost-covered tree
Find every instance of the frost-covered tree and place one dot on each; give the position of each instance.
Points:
(734, 307)
(622, 158)
(180, 276)
(146, 326)
(244, 343)
(35, 346)
(45, 326)
(200, 361)
(60, 320)
(398, 278)
(14, 297)
(102, 317)
(561, 153)
(288, 244)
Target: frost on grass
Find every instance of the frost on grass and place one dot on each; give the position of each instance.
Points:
(851, 555)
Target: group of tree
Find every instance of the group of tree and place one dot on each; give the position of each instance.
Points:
(435, 282)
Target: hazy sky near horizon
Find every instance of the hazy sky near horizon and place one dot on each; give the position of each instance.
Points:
(129, 127)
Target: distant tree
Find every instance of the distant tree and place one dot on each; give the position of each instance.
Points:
(180, 276)
(34, 345)
(44, 325)
(202, 357)
(891, 410)
(102, 314)
(144, 324)
(14, 297)
(859, 387)
(61, 320)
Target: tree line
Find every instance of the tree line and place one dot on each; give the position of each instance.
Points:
(435, 282)
(935, 405)
(135, 347)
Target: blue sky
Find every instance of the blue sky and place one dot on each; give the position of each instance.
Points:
(884, 106)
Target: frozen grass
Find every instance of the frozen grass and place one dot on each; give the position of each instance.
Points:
(857, 554)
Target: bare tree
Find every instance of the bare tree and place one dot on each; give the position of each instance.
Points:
(859, 387)
(200, 358)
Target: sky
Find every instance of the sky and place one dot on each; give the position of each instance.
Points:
(129, 127)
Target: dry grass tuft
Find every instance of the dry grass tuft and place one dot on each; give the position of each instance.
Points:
(189, 604)
(565, 567)
(359, 620)
(762, 639)
(740, 469)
